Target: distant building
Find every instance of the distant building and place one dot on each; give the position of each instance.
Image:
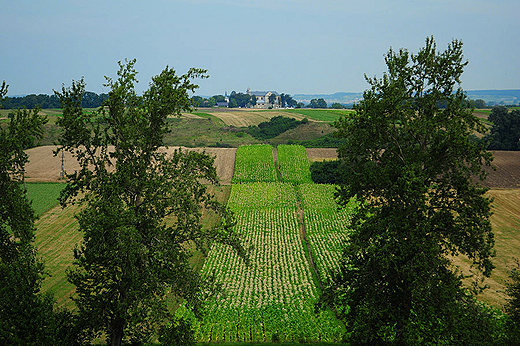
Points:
(262, 98)
(222, 104)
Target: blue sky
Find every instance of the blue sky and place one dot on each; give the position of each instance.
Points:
(292, 46)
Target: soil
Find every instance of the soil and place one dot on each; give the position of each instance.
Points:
(507, 173)
(321, 154)
(43, 166)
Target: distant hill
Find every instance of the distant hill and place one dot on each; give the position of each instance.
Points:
(346, 98)
(506, 97)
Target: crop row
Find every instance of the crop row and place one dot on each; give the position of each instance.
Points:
(254, 163)
(262, 196)
(293, 164)
(326, 225)
(273, 297)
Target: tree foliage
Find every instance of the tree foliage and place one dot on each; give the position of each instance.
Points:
(411, 163)
(318, 103)
(241, 100)
(89, 100)
(131, 257)
(274, 127)
(327, 172)
(26, 315)
(513, 305)
(505, 131)
(286, 100)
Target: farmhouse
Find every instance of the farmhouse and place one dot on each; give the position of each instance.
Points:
(262, 98)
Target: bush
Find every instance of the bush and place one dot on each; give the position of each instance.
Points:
(327, 172)
(274, 127)
(179, 332)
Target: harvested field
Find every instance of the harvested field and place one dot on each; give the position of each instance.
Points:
(321, 154)
(43, 166)
(506, 227)
(507, 173)
(57, 234)
(224, 161)
(251, 117)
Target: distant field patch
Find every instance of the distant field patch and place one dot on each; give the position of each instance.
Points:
(44, 196)
(254, 163)
(328, 115)
(294, 164)
(244, 118)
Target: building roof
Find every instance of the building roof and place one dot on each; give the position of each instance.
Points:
(262, 93)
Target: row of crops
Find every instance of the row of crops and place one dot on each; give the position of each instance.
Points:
(273, 298)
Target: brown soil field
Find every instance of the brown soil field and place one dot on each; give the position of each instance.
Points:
(43, 166)
(507, 173)
(321, 154)
(505, 176)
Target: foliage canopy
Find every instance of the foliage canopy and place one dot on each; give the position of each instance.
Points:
(26, 315)
(131, 259)
(411, 165)
(505, 131)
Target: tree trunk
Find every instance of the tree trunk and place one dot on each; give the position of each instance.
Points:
(117, 333)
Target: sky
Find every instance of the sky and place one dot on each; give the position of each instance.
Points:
(290, 46)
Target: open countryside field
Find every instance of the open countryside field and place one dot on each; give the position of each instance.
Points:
(247, 117)
(57, 235)
(219, 127)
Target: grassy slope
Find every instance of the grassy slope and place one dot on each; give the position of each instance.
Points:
(327, 115)
(57, 234)
(506, 227)
(44, 196)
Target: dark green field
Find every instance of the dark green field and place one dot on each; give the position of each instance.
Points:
(44, 196)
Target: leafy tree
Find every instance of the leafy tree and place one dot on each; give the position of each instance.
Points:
(241, 100)
(232, 103)
(327, 172)
(26, 315)
(411, 164)
(505, 131)
(286, 100)
(219, 98)
(337, 105)
(479, 104)
(272, 99)
(322, 103)
(513, 305)
(318, 103)
(131, 257)
(313, 103)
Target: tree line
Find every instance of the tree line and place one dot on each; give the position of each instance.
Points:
(89, 100)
